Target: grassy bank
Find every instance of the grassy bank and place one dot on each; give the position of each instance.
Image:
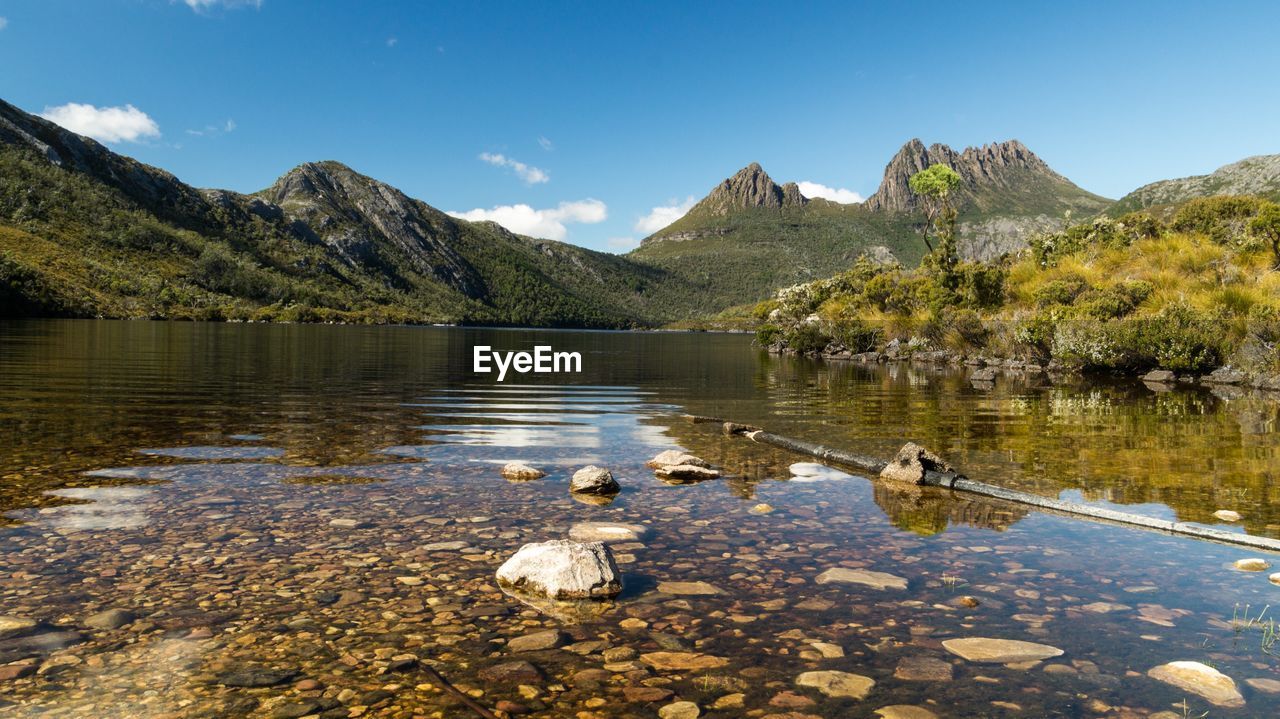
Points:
(1127, 295)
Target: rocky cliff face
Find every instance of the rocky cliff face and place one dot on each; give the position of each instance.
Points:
(997, 165)
(750, 187)
(372, 224)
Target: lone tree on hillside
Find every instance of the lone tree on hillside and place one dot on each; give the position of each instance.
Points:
(934, 185)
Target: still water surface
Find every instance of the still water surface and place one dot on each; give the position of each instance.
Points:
(310, 510)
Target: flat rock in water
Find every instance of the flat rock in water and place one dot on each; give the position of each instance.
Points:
(682, 661)
(1226, 515)
(562, 569)
(607, 532)
(252, 678)
(593, 480)
(693, 588)
(905, 711)
(518, 672)
(686, 472)
(110, 619)
(923, 669)
(837, 684)
(1200, 679)
(675, 457)
(444, 546)
(1252, 564)
(680, 710)
(14, 626)
(879, 580)
(521, 472)
(986, 650)
(538, 641)
(1266, 686)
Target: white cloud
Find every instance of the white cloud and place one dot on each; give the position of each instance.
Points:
(105, 124)
(391, 41)
(622, 244)
(201, 6)
(549, 223)
(4, 22)
(546, 144)
(530, 174)
(214, 130)
(841, 195)
(660, 217)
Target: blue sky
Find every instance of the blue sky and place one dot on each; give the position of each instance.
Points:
(577, 120)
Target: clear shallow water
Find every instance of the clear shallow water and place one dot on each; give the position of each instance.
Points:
(325, 502)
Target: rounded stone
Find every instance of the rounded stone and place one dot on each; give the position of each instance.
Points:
(562, 569)
(593, 480)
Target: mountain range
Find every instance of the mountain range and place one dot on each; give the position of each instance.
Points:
(87, 232)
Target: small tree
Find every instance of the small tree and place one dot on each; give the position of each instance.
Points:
(934, 185)
(1266, 225)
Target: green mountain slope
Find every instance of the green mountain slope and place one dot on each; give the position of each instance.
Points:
(87, 232)
(750, 236)
(1258, 176)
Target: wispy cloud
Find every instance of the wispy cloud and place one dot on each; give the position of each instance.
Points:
(660, 217)
(549, 223)
(4, 22)
(393, 41)
(841, 195)
(214, 130)
(546, 144)
(105, 124)
(528, 173)
(622, 244)
(203, 6)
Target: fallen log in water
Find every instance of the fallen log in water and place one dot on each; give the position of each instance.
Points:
(932, 476)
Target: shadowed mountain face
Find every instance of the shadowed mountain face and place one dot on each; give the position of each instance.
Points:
(1258, 175)
(87, 232)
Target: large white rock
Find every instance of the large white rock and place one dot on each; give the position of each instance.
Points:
(1201, 679)
(562, 569)
(593, 480)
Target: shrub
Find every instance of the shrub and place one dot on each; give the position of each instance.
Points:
(1224, 219)
(806, 338)
(981, 286)
(1060, 292)
(857, 335)
(767, 335)
(1266, 226)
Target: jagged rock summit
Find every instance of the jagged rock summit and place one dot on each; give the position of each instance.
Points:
(750, 187)
(988, 165)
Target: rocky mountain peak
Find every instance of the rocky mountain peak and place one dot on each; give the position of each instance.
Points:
(999, 164)
(750, 187)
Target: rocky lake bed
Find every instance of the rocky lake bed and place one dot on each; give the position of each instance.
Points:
(295, 555)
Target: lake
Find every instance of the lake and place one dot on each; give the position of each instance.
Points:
(293, 520)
